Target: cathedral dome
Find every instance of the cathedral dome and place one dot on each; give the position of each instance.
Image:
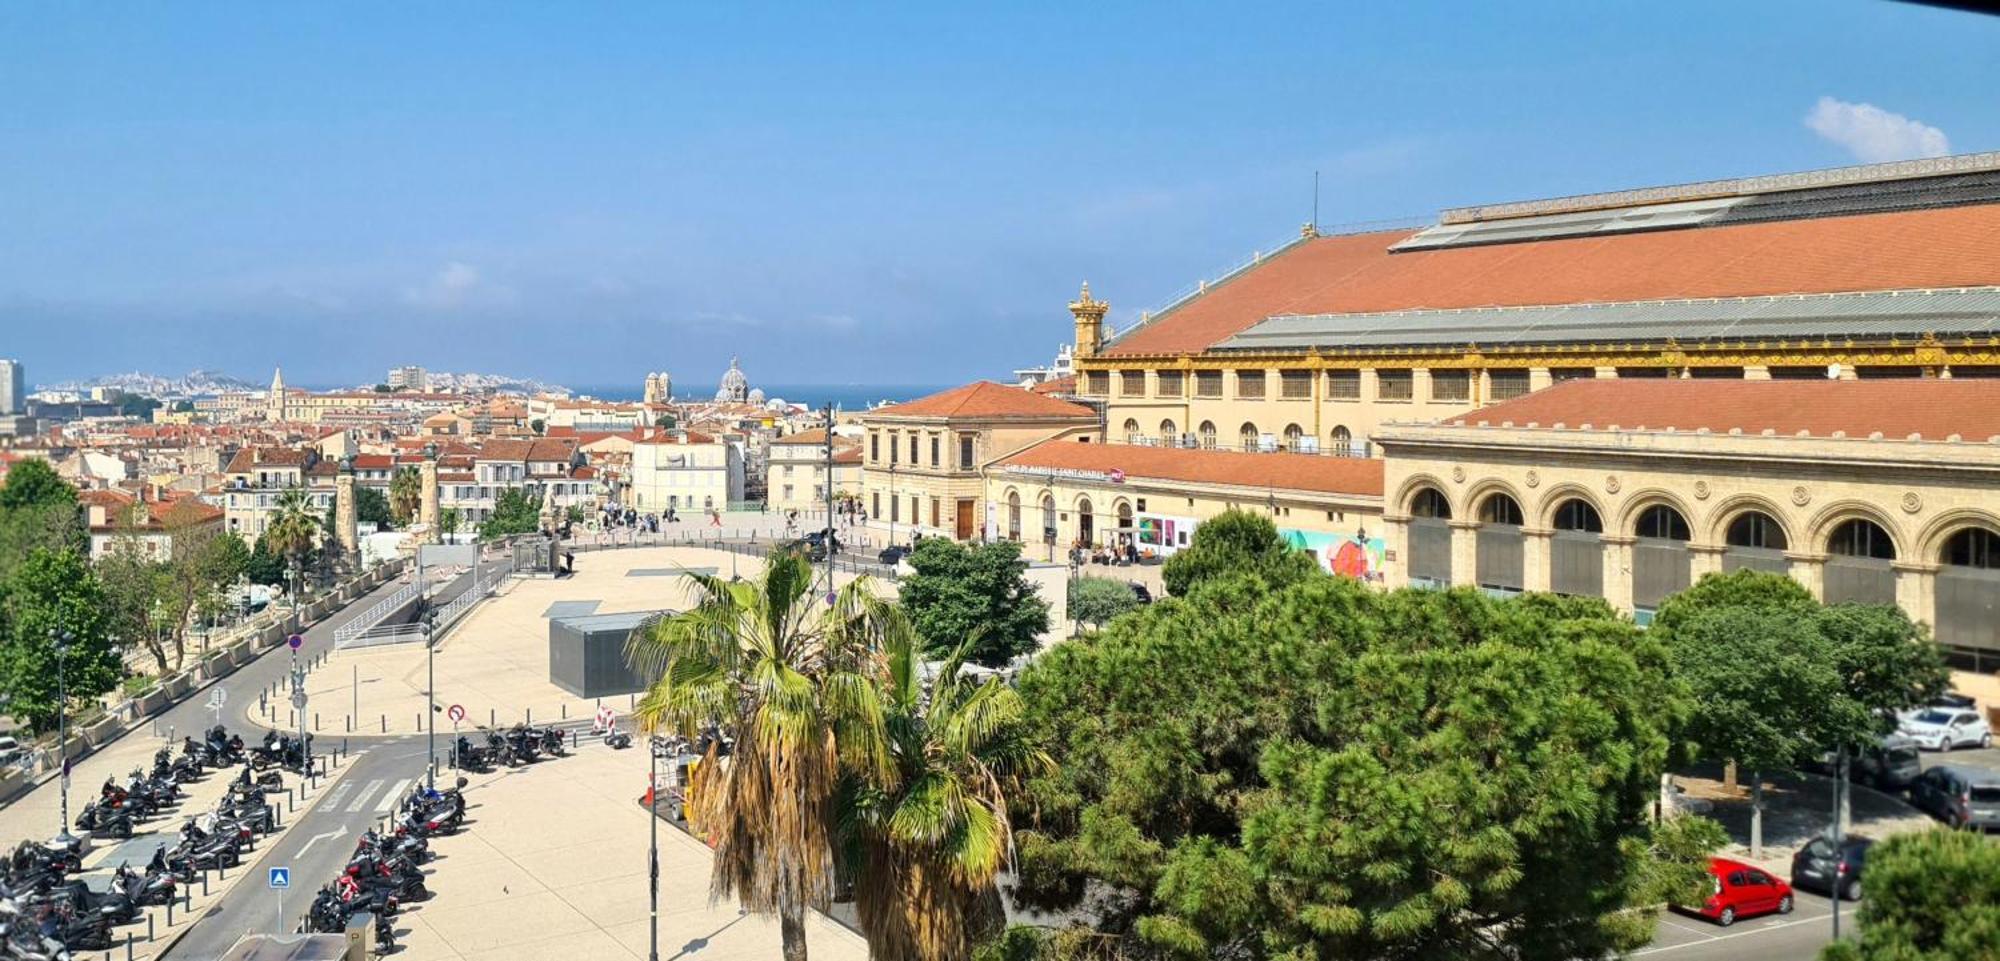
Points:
(735, 386)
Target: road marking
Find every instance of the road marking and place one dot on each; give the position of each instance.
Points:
(340, 791)
(315, 840)
(1760, 929)
(391, 796)
(361, 800)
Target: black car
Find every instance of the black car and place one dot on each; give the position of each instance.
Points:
(1818, 867)
(892, 555)
(1139, 591)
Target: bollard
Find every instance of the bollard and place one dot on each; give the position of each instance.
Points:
(385, 723)
(204, 880)
(419, 722)
(574, 737)
(149, 921)
(530, 717)
(350, 723)
(128, 946)
(315, 721)
(170, 913)
(565, 710)
(489, 719)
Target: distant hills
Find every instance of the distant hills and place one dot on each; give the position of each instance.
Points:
(198, 383)
(193, 383)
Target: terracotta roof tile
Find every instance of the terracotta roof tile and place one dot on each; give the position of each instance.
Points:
(984, 399)
(1897, 408)
(1944, 247)
(1295, 472)
(1060, 385)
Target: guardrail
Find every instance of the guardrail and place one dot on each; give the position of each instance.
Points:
(382, 635)
(490, 578)
(366, 620)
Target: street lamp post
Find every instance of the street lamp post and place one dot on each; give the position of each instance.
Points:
(62, 639)
(656, 746)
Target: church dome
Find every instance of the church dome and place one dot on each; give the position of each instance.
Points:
(735, 386)
(756, 395)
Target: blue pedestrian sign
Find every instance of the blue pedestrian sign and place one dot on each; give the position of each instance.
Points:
(281, 878)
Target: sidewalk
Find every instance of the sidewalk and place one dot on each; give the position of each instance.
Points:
(1797, 808)
(552, 864)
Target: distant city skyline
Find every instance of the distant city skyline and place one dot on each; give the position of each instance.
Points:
(906, 194)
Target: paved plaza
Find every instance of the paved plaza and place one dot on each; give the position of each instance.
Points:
(495, 662)
(552, 864)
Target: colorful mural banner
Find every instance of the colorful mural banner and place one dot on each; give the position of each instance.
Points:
(1347, 554)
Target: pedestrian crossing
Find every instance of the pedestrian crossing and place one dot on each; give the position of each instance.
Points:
(385, 804)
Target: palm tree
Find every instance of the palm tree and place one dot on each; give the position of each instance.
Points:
(790, 678)
(925, 844)
(294, 528)
(406, 494)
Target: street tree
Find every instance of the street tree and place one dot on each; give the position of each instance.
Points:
(1886, 663)
(52, 592)
(1932, 896)
(1236, 540)
(793, 681)
(372, 507)
(973, 591)
(134, 588)
(1328, 771)
(1096, 600)
(265, 567)
(406, 495)
(514, 512)
(1765, 692)
(449, 520)
(926, 843)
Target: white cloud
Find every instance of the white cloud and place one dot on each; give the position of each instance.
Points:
(1874, 135)
(455, 285)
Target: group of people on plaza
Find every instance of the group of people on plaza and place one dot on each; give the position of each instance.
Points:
(1124, 552)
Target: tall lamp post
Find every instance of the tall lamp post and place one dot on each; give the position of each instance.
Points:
(656, 746)
(63, 638)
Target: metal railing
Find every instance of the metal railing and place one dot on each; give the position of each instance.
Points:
(490, 578)
(376, 614)
(382, 635)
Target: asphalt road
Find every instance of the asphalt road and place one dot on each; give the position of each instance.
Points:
(318, 844)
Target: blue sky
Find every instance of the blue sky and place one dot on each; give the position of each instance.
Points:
(875, 193)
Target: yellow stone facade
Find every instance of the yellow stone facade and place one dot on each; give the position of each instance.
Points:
(1920, 494)
(1340, 399)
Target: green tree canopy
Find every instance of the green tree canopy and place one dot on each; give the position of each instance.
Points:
(51, 591)
(515, 512)
(33, 482)
(1096, 600)
(1781, 677)
(977, 592)
(371, 506)
(1328, 771)
(1932, 896)
(265, 566)
(1764, 685)
(1236, 540)
(449, 520)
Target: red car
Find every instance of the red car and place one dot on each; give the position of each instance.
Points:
(1741, 890)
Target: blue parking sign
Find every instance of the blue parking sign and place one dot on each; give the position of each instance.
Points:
(281, 878)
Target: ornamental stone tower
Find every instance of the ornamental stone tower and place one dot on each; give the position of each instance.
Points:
(1089, 323)
(346, 513)
(427, 504)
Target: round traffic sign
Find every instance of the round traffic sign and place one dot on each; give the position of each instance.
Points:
(456, 712)
(295, 641)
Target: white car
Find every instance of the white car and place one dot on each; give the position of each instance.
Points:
(1942, 728)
